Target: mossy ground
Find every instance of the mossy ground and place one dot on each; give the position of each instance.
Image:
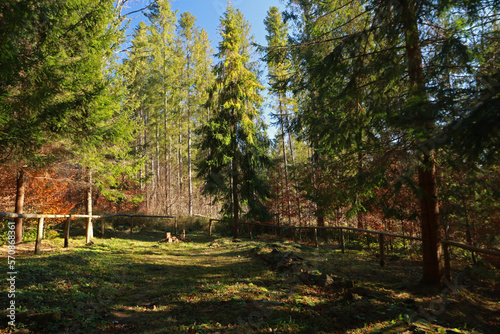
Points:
(134, 284)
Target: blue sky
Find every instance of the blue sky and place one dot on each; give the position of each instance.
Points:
(208, 13)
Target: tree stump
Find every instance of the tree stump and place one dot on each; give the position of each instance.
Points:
(170, 239)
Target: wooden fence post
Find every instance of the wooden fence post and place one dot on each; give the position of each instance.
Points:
(250, 231)
(342, 243)
(381, 247)
(210, 227)
(39, 236)
(316, 237)
(446, 253)
(102, 226)
(66, 232)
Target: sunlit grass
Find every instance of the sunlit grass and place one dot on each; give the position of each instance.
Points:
(134, 283)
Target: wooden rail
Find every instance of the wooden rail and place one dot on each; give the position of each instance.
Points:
(210, 222)
(36, 215)
(41, 218)
(446, 243)
(381, 234)
(446, 253)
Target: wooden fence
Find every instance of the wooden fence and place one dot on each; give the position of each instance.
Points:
(381, 239)
(42, 217)
(381, 235)
(211, 222)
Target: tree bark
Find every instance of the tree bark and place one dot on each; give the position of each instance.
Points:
(89, 227)
(360, 215)
(234, 178)
(431, 238)
(179, 171)
(320, 221)
(468, 233)
(188, 104)
(20, 190)
(190, 172)
(157, 190)
(39, 236)
(285, 160)
(292, 157)
(236, 206)
(429, 209)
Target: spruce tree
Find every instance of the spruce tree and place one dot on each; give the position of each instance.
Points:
(279, 69)
(195, 57)
(233, 145)
(161, 99)
(53, 87)
(382, 81)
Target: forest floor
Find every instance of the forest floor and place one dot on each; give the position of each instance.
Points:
(134, 284)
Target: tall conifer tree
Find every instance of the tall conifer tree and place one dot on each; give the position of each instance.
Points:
(233, 144)
(53, 84)
(380, 86)
(195, 56)
(279, 66)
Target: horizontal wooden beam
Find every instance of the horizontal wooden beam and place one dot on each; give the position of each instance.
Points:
(338, 228)
(47, 216)
(472, 248)
(140, 216)
(448, 242)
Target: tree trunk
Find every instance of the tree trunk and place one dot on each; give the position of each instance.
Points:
(429, 209)
(292, 157)
(190, 173)
(20, 190)
(169, 176)
(179, 170)
(468, 233)
(89, 228)
(146, 162)
(234, 179)
(320, 221)
(141, 172)
(236, 206)
(285, 162)
(39, 236)
(360, 215)
(188, 104)
(152, 205)
(158, 172)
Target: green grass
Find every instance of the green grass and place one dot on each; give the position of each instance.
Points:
(133, 283)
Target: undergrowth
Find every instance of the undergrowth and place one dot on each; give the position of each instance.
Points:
(136, 284)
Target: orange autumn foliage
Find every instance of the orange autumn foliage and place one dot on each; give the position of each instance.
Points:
(46, 193)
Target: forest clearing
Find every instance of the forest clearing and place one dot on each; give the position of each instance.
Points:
(366, 131)
(127, 283)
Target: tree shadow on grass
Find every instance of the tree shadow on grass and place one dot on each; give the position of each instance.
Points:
(149, 289)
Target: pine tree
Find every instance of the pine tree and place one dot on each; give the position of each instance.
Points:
(233, 145)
